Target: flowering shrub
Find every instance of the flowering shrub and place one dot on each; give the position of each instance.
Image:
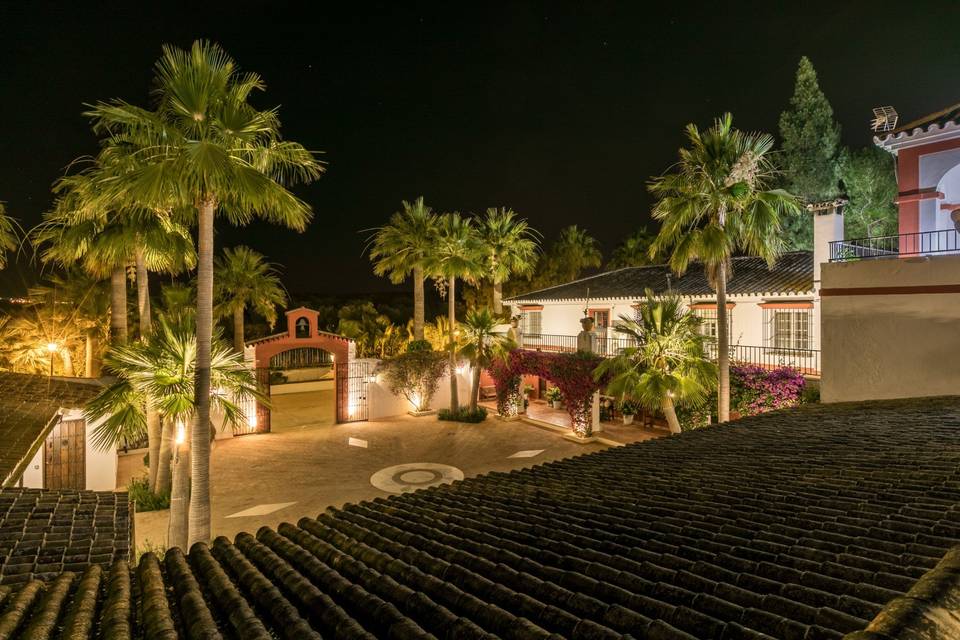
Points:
(415, 375)
(756, 390)
(572, 373)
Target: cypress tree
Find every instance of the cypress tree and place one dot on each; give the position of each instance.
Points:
(810, 145)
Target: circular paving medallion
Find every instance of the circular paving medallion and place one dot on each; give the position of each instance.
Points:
(402, 478)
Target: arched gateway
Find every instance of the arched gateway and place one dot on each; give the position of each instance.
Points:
(303, 336)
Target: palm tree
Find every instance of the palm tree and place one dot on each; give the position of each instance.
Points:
(573, 251)
(481, 345)
(634, 251)
(402, 247)
(205, 146)
(9, 238)
(161, 373)
(105, 239)
(457, 254)
(510, 246)
(243, 279)
(667, 366)
(716, 201)
(87, 300)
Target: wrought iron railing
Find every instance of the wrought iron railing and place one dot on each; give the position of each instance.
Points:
(905, 244)
(806, 361)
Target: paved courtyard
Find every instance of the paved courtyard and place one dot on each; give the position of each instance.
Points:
(304, 467)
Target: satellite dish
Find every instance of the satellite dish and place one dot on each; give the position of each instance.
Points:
(884, 119)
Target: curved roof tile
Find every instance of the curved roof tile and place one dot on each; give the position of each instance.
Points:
(797, 524)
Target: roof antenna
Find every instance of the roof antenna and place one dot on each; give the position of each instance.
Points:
(884, 119)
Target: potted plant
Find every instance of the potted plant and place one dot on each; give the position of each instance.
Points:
(628, 409)
(527, 390)
(587, 323)
(555, 398)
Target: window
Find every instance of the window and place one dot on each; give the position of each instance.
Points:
(531, 323)
(601, 318)
(788, 328)
(708, 320)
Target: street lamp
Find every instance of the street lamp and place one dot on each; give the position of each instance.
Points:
(52, 348)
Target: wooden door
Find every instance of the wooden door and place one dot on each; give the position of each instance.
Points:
(65, 456)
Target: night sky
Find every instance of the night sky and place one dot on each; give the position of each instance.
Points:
(560, 111)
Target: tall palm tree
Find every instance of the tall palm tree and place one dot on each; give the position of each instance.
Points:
(205, 146)
(667, 366)
(715, 202)
(634, 251)
(481, 345)
(242, 280)
(572, 252)
(457, 254)
(161, 373)
(401, 248)
(510, 246)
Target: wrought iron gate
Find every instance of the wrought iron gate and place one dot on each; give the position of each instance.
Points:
(257, 414)
(352, 381)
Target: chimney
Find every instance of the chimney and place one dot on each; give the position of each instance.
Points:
(827, 228)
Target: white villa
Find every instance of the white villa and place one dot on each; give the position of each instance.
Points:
(773, 313)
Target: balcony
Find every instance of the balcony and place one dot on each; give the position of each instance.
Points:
(806, 361)
(924, 243)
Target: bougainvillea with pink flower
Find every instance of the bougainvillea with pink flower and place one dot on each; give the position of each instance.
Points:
(756, 390)
(572, 373)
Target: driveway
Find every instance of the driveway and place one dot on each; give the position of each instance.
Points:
(302, 469)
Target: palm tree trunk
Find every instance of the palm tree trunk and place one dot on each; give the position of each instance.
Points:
(118, 306)
(200, 433)
(167, 434)
(238, 330)
(666, 405)
(67, 362)
(452, 317)
(475, 388)
(177, 528)
(143, 294)
(154, 427)
(723, 346)
(498, 298)
(89, 355)
(418, 303)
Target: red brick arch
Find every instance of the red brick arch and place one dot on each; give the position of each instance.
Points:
(341, 348)
(266, 348)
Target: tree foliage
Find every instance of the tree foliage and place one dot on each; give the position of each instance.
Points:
(567, 257)
(810, 140)
(634, 251)
(870, 180)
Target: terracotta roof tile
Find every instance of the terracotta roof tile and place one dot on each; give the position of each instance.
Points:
(798, 524)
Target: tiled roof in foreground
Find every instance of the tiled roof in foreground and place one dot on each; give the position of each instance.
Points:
(792, 273)
(801, 524)
(43, 533)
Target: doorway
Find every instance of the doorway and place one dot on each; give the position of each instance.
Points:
(65, 456)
